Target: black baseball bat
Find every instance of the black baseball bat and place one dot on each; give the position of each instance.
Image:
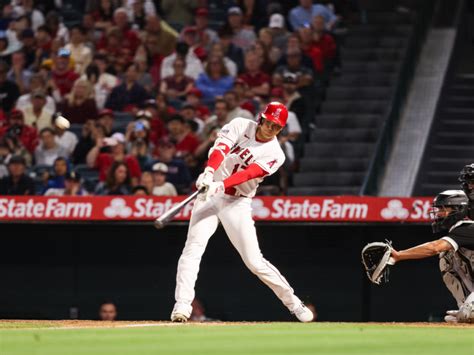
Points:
(166, 217)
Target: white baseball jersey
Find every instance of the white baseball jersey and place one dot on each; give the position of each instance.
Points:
(245, 149)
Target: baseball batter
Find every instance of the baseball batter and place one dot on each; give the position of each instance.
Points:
(243, 154)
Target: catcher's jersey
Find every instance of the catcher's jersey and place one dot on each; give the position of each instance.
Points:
(461, 237)
(245, 149)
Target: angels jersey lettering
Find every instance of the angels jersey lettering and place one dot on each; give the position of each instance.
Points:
(239, 135)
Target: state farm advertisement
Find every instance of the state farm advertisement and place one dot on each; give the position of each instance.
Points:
(280, 208)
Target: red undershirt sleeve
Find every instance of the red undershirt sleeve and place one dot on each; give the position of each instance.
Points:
(217, 156)
(251, 172)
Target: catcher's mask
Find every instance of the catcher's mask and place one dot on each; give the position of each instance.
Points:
(448, 207)
(466, 178)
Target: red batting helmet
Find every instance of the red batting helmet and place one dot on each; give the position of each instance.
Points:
(275, 112)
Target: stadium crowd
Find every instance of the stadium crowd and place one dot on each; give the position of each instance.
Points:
(146, 85)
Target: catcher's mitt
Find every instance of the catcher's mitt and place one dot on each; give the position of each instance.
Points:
(376, 258)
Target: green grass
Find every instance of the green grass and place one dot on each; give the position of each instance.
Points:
(269, 338)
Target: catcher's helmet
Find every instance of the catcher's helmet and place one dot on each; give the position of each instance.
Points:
(275, 112)
(444, 219)
(466, 177)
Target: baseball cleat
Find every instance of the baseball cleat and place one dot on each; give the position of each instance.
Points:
(450, 319)
(179, 318)
(303, 314)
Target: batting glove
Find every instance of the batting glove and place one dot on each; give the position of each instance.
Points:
(206, 178)
(215, 187)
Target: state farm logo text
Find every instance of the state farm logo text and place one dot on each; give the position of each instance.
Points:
(51, 208)
(143, 208)
(284, 208)
(396, 210)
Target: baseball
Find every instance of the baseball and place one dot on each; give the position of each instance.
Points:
(62, 122)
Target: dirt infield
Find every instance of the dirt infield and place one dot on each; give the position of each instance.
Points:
(84, 324)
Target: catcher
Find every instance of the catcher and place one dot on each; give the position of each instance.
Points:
(455, 249)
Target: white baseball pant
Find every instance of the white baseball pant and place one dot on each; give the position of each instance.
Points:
(235, 214)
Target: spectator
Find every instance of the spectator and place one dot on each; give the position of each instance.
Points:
(177, 86)
(190, 36)
(312, 51)
(236, 54)
(110, 45)
(257, 80)
(9, 91)
(36, 115)
(293, 99)
(140, 190)
(278, 31)
(301, 16)
(37, 83)
(152, 53)
(179, 12)
(92, 134)
(92, 35)
(138, 136)
(117, 181)
(17, 182)
(323, 40)
(79, 106)
(56, 27)
(5, 156)
(130, 40)
(234, 110)
(102, 81)
(137, 12)
(43, 39)
(215, 81)
(19, 73)
(263, 53)
(60, 168)
(63, 77)
(217, 50)
(48, 150)
(242, 37)
(80, 53)
(27, 8)
(295, 66)
(207, 36)
(27, 38)
(72, 186)
(146, 181)
(194, 99)
(157, 127)
(144, 78)
(178, 172)
(103, 160)
(184, 140)
(129, 94)
(189, 114)
(218, 120)
(19, 135)
(193, 64)
(103, 14)
(108, 310)
(166, 37)
(161, 186)
(106, 119)
(64, 138)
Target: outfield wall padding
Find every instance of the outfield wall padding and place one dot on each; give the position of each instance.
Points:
(46, 270)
